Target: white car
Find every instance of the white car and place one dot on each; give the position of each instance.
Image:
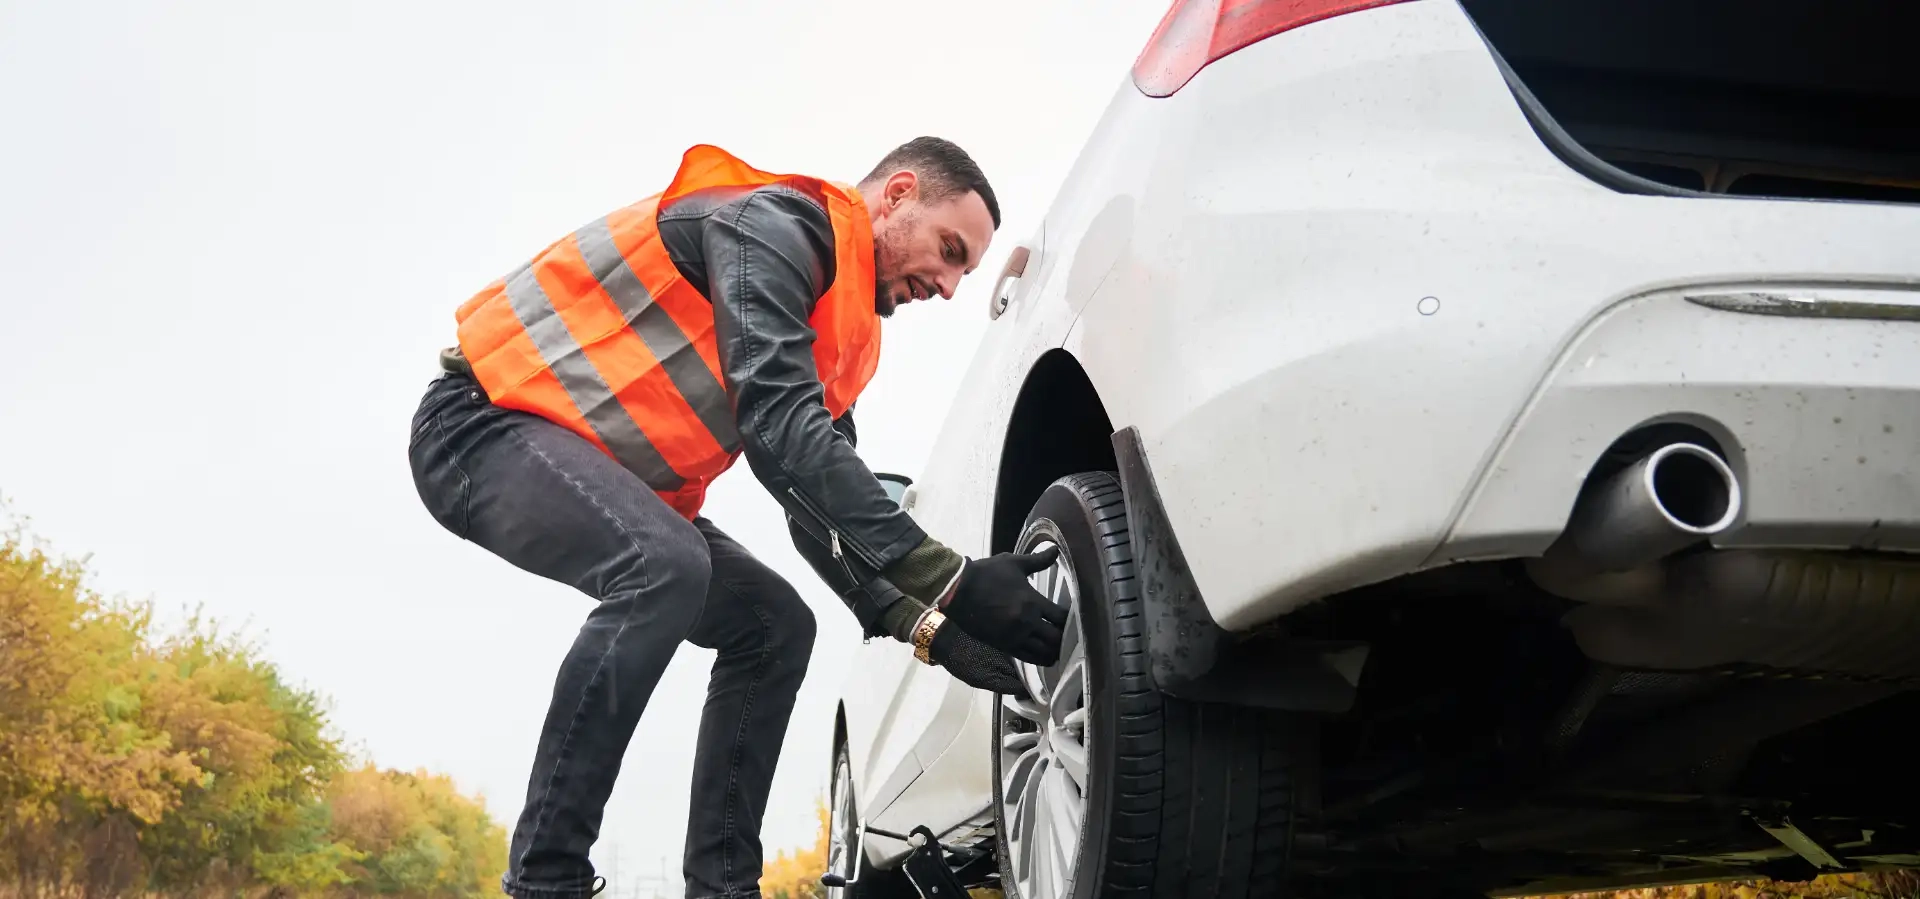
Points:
(1484, 438)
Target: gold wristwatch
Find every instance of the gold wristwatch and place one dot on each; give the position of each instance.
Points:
(923, 631)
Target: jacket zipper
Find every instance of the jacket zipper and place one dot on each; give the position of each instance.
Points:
(860, 549)
(833, 543)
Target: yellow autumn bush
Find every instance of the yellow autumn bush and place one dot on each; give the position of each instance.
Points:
(795, 873)
(134, 763)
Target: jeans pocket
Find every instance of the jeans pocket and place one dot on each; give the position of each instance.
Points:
(442, 484)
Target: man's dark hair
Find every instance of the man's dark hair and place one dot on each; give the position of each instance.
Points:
(944, 171)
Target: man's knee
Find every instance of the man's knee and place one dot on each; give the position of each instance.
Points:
(791, 628)
(804, 629)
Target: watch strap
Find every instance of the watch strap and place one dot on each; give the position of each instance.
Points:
(923, 634)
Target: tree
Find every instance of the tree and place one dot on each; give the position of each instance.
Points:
(79, 768)
(416, 834)
(261, 746)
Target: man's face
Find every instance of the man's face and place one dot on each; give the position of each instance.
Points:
(921, 250)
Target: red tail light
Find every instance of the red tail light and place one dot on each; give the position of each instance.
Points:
(1196, 32)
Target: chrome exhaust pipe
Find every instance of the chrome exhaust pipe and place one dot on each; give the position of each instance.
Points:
(1670, 499)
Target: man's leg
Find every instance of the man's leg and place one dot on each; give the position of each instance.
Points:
(763, 632)
(552, 504)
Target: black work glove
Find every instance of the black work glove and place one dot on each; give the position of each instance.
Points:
(975, 663)
(994, 603)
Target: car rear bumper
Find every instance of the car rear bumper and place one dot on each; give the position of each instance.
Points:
(1389, 329)
(1819, 418)
(1304, 481)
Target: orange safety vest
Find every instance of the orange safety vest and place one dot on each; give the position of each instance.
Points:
(600, 334)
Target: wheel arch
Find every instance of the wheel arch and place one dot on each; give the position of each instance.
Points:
(1058, 427)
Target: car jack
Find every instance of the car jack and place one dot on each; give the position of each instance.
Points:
(929, 866)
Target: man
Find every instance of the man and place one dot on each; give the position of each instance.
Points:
(598, 389)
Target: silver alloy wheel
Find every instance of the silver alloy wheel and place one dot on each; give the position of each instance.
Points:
(1044, 748)
(840, 834)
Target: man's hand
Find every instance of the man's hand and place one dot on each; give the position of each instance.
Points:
(974, 663)
(994, 603)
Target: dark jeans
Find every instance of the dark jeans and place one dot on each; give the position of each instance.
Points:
(552, 504)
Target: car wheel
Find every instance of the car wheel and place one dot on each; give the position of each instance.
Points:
(1102, 786)
(842, 833)
(843, 842)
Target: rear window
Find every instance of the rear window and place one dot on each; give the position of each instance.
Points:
(1774, 98)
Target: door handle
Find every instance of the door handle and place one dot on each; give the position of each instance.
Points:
(1008, 282)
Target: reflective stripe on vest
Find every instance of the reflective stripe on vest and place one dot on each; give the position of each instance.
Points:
(599, 333)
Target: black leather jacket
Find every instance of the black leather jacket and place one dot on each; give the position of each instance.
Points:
(763, 256)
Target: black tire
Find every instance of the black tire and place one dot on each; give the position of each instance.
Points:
(1182, 799)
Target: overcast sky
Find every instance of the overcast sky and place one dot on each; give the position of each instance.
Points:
(233, 235)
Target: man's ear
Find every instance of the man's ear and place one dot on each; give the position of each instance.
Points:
(900, 187)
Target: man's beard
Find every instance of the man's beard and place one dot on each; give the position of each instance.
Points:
(885, 258)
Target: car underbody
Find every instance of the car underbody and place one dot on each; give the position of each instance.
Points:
(1634, 706)
(1487, 748)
